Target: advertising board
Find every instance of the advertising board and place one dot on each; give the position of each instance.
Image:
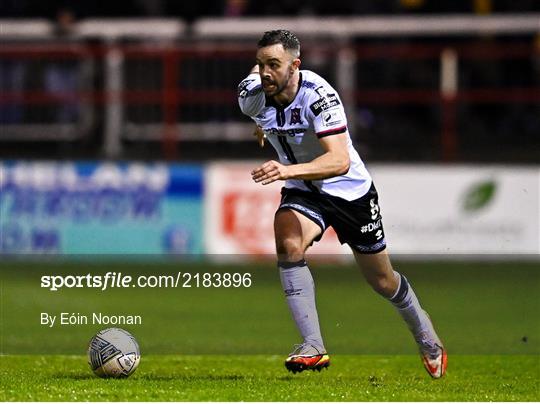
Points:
(432, 210)
(100, 208)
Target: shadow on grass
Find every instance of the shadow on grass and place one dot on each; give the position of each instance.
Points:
(154, 377)
(76, 376)
(191, 378)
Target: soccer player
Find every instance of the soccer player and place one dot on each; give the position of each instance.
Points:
(326, 184)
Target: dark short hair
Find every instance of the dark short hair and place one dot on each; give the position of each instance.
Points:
(281, 36)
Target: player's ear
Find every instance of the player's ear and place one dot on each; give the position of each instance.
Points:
(296, 63)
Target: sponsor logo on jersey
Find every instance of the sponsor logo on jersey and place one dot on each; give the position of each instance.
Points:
(322, 92)
(242, 88)
(242, 92)
(283, 132)
(295, 116)
(331, 118)
(324, 104)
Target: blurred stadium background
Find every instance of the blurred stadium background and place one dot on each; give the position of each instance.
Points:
(121, 137)
(423, 81)
(429, 84)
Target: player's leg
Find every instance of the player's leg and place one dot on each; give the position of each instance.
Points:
(294, 233)
(378, 271)
(359, 224)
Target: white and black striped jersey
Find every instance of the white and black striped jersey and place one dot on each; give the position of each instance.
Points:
(294, 131)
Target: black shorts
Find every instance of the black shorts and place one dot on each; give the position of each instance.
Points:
(357, 223)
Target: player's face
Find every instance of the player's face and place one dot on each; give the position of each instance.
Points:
(276, 67)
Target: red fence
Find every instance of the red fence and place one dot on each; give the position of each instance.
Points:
(169, 92)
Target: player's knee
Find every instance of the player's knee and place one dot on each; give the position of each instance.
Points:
(383, 285)
(289, 250)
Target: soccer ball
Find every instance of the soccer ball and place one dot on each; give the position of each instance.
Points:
(113, 352)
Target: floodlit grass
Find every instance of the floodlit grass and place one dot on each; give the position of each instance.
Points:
(216, 344)
(263, 378)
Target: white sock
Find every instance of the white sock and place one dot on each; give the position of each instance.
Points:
(408, 306)
(299, 288)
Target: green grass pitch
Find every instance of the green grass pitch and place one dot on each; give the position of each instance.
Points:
(262, 378)
(229, 344)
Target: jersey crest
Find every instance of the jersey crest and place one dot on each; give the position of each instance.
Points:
(296, 118)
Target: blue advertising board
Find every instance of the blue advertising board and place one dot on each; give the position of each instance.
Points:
(75, 208)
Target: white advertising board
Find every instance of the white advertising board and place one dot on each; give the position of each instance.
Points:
(427, 209)
(460, 209)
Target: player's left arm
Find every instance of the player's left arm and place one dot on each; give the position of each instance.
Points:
(333, 162)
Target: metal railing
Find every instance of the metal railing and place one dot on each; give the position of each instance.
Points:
(154, 81)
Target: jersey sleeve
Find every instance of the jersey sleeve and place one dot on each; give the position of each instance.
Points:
(250, 95)
(327, 112)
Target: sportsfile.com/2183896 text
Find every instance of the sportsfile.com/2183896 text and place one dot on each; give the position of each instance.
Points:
(111, 280)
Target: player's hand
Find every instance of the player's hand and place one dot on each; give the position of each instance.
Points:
(260, 135)
(269, 172)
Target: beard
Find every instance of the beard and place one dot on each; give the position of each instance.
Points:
(279, 87)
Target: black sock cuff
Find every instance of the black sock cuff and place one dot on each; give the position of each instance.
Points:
(402, 292)
(289, 265)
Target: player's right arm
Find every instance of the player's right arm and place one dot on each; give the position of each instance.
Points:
(333, 162)
(250, 94)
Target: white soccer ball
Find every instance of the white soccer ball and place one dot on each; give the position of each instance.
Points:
(113, 352)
